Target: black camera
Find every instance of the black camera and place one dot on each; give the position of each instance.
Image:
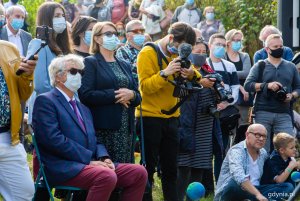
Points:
(223, 94)
(281, 93)
(185, 63)
(213, 111)
(43, 32)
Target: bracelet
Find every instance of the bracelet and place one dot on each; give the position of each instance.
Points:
(134, 95)
(289, 170)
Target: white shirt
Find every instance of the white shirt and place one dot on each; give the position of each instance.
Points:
(69, 99)
(253, 171)
(15, 39)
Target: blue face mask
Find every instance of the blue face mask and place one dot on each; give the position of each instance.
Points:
(219, 52)
(190, 2)
(172, 49)
(110, 43)
(210, 16)
(139, 39)
(17, 24)
(236, 46)
(59, 24)
(2, 22)
(87, 37)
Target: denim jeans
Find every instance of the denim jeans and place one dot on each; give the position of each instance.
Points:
(271, 191)
(276, 122)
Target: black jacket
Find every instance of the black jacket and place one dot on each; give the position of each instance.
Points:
(97, 92)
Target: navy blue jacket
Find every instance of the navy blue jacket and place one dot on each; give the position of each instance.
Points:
(64, 146)
(97, 92)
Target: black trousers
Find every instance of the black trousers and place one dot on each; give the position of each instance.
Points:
(161, 143)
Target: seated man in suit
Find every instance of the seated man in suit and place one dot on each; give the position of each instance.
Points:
(66, 137)
(12, 31)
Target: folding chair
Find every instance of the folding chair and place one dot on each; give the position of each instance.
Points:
(41, 179)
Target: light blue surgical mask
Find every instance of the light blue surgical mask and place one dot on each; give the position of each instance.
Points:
(190, 2)
(59, 24)
(210, 16)
(110, 43)
(17, 24)
(172, 49)
(219, 52)
(139, 39)
(236, 46)
(87, 37)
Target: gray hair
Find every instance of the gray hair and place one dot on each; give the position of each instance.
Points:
(58, 65)
(270, 29)
(10, 10)
(131, 23)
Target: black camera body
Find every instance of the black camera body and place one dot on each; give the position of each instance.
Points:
(281, 93)
(185, 63)
(43, 32)
(223, 94)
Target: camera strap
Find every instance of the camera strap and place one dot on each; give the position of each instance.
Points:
(225, 70)
(160, 55)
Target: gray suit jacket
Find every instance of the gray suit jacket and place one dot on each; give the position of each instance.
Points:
(25, 38)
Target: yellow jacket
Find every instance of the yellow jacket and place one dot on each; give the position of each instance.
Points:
(156, 92)
(19, 87)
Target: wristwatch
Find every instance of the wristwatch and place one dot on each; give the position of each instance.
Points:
(262, 85)
(162, 74)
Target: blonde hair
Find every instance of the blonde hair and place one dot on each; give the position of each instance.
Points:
(270, 29)
(231, 33)
(270, 37)
(94, 48)
(281, 140)
(208, 8)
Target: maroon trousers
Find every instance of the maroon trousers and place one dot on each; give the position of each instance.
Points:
(101, 181)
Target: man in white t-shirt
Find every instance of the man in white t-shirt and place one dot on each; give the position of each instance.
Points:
(242, 169)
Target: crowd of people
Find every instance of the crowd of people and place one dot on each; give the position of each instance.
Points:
(99, 77)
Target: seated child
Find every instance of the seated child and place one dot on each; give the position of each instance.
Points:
(279, 166)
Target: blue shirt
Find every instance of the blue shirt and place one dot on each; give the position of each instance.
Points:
(262, 54)
(275, 166)
(4, 102)
(236, 166)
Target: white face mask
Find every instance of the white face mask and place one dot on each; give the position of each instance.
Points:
(73, 82)
(59, 24)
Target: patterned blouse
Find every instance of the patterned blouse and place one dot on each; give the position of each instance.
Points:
(4, 102)
(129, 54)
(236, 166)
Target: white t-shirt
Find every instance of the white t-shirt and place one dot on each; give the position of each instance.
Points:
(253, 171)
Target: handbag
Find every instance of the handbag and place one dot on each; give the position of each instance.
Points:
(229, 118)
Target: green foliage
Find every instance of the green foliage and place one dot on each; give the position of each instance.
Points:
(248, 15)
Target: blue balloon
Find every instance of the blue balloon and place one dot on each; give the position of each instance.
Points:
(195, 191)
(295, 176)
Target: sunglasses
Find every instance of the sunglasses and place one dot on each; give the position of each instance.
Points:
(74, 71)
(110, 33)
(137, 31)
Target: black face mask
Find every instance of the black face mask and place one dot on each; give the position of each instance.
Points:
(277, 53)
(198, 59)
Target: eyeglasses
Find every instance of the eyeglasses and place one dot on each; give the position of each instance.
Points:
(258, 135)
(220, 44)
(109, 33)
(74, 71)
(137, 31)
